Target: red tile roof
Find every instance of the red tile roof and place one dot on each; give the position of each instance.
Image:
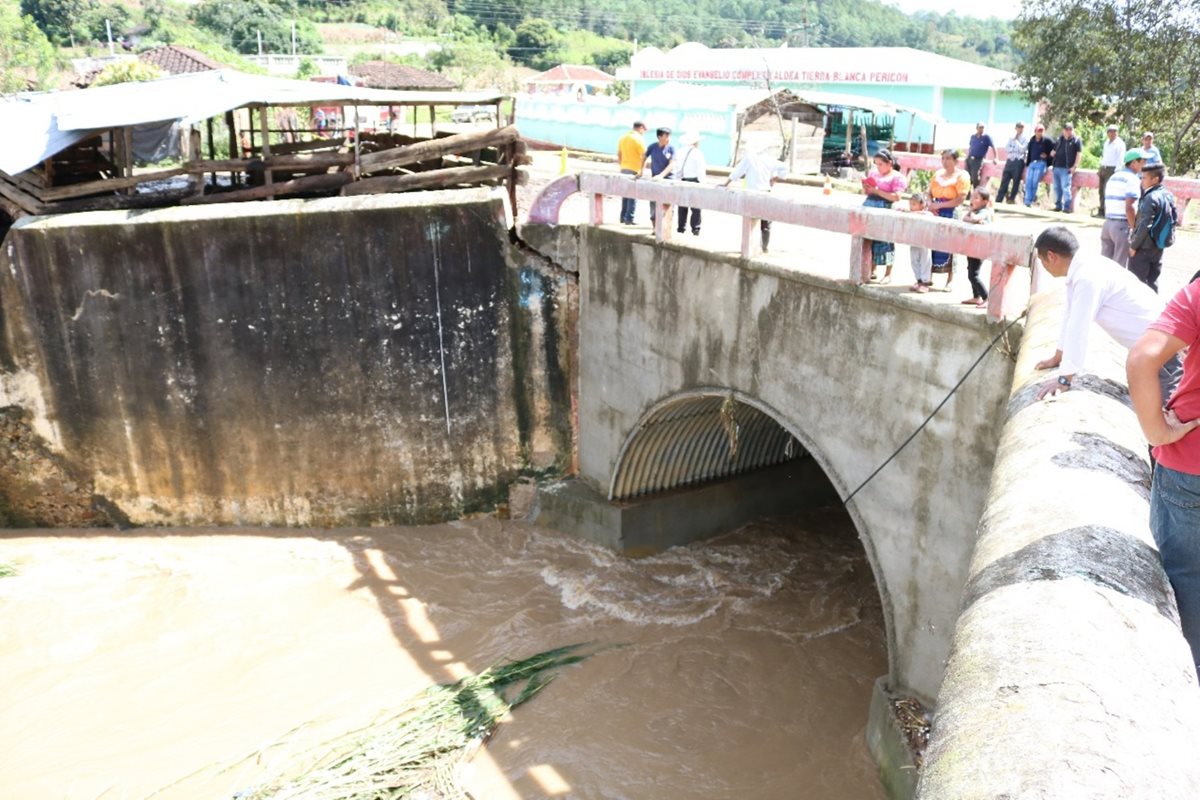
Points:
(175, 60)
(387, 75)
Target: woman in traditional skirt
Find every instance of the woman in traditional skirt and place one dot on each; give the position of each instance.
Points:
(949, 187)
(882, 188)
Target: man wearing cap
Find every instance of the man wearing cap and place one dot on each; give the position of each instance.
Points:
(1119, 207)
(1037, 157)
(1153, 155)
(1145, 254)
(1110, 161)
(977, 150)
(1068, 150)
(658, 158)
(631, 152)
(1014, 165)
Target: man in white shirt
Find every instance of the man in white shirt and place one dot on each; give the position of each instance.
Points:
(1153, 154)
(1110, 162)
(1099, 291)
(1014, 165)
(760, 173)
(689, 166)
(1120, 208)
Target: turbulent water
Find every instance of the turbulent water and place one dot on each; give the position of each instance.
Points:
(197, 664)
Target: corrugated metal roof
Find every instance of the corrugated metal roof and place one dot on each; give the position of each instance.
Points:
(38, 125)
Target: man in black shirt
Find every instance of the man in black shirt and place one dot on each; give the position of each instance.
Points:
(1037, 160)
(1067, 152)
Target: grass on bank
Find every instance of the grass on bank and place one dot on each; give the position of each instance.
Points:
(7, 570)
(418, 752)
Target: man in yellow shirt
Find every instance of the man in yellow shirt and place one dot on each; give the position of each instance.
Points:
(631, 153)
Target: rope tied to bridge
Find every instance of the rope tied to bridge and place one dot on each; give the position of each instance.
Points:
(1003, 334)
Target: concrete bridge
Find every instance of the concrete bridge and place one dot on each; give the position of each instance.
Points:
(695, 367)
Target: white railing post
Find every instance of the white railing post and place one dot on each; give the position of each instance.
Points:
(748, 248)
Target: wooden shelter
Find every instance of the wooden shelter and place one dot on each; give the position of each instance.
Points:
(79, 148)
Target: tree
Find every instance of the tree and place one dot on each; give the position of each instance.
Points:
(239, 22)
(537, 43)
(58, 19)
(128, 72)
(1136, 62)
(26, 55)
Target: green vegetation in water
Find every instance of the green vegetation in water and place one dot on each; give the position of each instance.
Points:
(7, 570)
(418, 751)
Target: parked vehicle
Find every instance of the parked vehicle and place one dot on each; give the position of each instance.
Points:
(473, 114)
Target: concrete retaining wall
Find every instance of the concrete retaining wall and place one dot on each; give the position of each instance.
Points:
(384, 359)
(1069, 677)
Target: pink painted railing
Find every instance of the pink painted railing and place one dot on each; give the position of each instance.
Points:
(1184, 189)
(1006, 251)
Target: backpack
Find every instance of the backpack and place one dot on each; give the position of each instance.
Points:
(1162, 230)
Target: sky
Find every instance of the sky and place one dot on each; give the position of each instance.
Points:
(1005, 9)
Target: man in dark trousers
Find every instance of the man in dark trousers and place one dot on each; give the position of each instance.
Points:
(659, 156)
(1068, 150)
(1014, 165)
(1155, 208)
(977, 150)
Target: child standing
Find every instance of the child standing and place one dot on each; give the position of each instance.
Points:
(980, 214)
(922, 257)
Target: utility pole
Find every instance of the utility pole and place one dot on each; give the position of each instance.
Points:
(259, 42)
(108, 27)
(293, 37)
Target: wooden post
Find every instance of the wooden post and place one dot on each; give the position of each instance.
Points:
(266, 144)
(127, 138)
(432, 122)
(357, 137)
(194, 153)
(230, 125)
(792, 149)
(414, 113)
(212, 148)
(512, 176)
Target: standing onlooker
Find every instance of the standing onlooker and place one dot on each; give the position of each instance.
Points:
(948, 187)
(921, 258)
(1014, 165)
(689, 166)
(1110, 162)
(1119, 205)
(631, 152)
(1068, 150)
(1153, 154)
(659, 156)
(981, 213)
(1169, 426)
(977, 150)
(760, 173)
(882, 188)
(1038, 157)
(1154, 228)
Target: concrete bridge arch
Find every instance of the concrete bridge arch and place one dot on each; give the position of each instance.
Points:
(668, 333)
(707, 434)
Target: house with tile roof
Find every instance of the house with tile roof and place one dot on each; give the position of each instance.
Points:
(389, 75)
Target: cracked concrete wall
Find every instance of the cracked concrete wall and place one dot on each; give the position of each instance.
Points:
(849, 371)
(387, 359)
(1069, 675)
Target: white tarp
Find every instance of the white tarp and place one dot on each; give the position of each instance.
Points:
(38, 125)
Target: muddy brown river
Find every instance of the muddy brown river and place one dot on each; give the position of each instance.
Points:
(196, 664)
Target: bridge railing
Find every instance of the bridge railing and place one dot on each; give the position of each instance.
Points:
(1007, 251)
